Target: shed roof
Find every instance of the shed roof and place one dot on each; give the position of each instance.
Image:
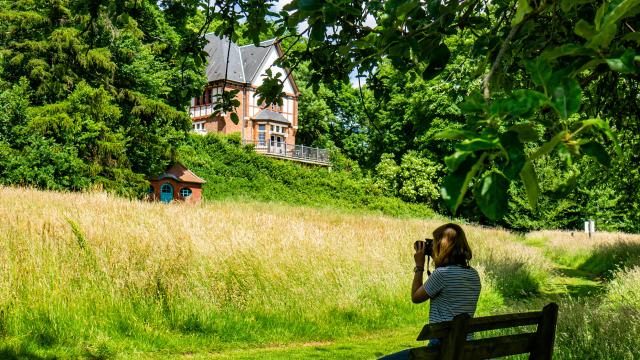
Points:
(180, 173)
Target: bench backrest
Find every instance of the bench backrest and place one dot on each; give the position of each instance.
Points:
(455, 346)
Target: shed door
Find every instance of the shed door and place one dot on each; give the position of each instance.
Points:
(166, 193)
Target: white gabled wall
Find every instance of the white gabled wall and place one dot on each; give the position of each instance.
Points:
(268, 63)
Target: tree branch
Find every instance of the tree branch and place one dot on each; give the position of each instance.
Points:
(496, 62)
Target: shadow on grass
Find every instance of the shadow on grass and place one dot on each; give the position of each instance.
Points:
(514, 279)
(9, 353)
(580, 283)
(607, 258)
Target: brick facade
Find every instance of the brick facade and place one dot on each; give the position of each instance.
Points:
(244, 73)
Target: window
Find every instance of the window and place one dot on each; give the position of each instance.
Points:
(273, 128)
(261, 139)
(261, 127)
(185, 192)
(198, 127)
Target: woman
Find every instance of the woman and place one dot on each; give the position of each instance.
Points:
(453, 287)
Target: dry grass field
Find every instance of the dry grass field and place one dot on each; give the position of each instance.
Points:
(91, 275)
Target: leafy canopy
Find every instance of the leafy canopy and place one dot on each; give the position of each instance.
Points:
(535, 60)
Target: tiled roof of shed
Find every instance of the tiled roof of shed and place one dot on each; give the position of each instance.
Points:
(181, 173)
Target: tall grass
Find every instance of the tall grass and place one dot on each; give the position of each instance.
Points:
(603, 253)
(89, 274)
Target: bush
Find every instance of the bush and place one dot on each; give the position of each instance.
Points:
(233, 171)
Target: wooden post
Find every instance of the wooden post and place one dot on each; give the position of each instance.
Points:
(545, 335)
(453, 346)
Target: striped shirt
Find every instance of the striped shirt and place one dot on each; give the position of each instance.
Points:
(453, 290)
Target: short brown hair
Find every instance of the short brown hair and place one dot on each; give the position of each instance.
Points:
(450, 246)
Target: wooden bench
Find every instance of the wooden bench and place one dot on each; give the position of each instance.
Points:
(538, 344)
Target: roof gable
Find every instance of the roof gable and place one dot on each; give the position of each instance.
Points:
(254, 56)
(247, 63)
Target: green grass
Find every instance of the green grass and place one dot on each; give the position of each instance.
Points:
(89, 275)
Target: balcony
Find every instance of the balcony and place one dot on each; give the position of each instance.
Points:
(300, 153)
(200, 111)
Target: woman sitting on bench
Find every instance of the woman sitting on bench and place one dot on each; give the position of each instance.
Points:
(453, 287)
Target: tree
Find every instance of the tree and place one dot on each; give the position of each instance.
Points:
(102, 90)
(535, 60)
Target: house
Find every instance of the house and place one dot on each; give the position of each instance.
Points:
(271, 130)
(177, 183)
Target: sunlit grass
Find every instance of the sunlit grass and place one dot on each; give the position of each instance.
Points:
(96, 275)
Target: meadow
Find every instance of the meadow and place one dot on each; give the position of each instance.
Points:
(95, 276)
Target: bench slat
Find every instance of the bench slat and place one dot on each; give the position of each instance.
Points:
(483, 348)
(499, 346)
(425, 353)
(440, 330)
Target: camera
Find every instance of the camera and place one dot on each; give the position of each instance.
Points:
(428, 246)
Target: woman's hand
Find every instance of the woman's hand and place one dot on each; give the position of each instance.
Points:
(419, 256)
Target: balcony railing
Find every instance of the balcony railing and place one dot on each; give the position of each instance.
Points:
(200, 111)
(292, 152)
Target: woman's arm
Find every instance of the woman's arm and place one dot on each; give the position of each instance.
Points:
(418, 293)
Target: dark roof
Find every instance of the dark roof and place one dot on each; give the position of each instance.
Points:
(180, 173)
(217, 48)
(253, 57)
(244, 61)
(271, 115)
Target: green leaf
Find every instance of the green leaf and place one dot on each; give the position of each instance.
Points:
(454, 160)
(634, 36)
(455, 184)
(625, 63)
(606, 129)
(584, 29)
(548, 146)
(603, 37)
(491, 195)
(530, 181)
(526, 132)
(520, 102)
(540, 71)
(523, 9)
(565, 96)
(474, 103)
(455, 134)
(598, 151)
(566, 50)
(567, 5)
(234, 118)
(318, 31)
(309, 5)
(437, 62)
(515, 154)
(599, 15)
(617, 10)
(477, 144)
